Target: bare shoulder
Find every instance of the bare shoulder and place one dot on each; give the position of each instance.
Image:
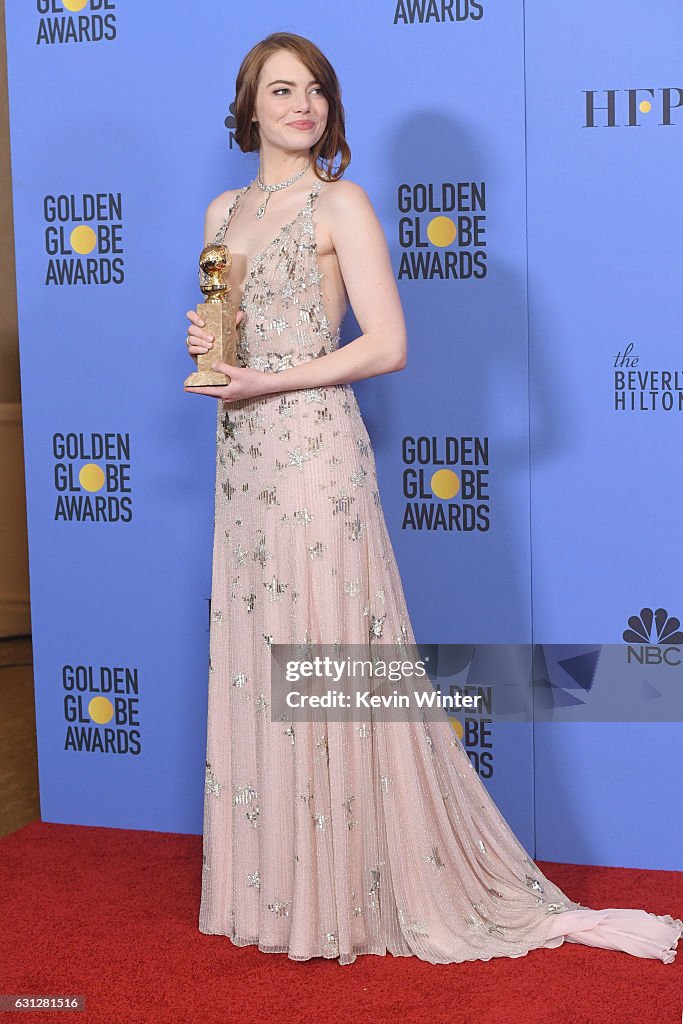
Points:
(344, 198)
(217, 211)
(218, 207)
(347, 215)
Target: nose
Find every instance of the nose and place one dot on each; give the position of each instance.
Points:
(302, 104)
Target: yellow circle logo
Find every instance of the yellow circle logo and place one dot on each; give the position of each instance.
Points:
(645, 106)
(441, 231)
(457, 728)
(74, 5)
(101, 710)
(83, 239)
(91, 477)
(445, 484)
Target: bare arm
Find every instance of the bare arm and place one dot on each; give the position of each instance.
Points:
(365, 265)
(216, 213)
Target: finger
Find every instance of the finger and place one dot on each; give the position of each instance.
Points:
(212, 392)
(240, 316)
(197, 332)
(202, 339)
(224, 368)
(194, 317)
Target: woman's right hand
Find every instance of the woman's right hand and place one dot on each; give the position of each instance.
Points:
(200, 340)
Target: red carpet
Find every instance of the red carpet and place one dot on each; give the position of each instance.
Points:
(112, 915)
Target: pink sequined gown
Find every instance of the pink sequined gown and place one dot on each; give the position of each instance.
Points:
(330, 839)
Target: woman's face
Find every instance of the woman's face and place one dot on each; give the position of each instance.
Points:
(290, 108)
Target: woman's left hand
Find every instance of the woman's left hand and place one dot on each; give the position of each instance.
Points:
(244, 383)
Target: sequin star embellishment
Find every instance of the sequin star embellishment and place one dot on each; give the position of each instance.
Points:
(356, 528)
(254, 880)
(211, 784)
(261, 704)
(279, 324)
(289, 731)
(279, 908)
(275, 589)
(373, 892)
(377, 625)
(434, 858)
(340, 503)
(384, 781)
(239, 679)
(358, 477)
(352, 587)
(269, 496)
(317, 549)
(416, 928)
(244, 794)
(297, 458)
(347, 805)
(240, 555)
(532, 883)
(313, 394)
(302, 515)
(319, 820)
(229, 427)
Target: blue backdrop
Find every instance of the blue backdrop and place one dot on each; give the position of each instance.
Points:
(525, 178)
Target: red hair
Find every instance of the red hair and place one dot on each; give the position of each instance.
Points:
(333, 141)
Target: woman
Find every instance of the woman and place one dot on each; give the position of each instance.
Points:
(334, 838)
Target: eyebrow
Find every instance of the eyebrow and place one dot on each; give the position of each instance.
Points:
(313, 81)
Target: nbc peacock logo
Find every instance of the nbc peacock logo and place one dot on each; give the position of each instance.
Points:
(442, 230)
(75, 21)
(231, 123)
(653, 638)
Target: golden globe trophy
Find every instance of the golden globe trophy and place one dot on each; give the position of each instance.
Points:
(218, 314)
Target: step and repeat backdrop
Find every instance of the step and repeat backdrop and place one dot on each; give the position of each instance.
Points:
(523, 161)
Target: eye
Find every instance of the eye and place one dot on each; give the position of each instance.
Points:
(284, 88)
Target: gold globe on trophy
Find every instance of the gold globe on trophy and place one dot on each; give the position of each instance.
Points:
(218, 314)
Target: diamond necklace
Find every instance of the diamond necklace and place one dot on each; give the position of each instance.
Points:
(275, 188)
